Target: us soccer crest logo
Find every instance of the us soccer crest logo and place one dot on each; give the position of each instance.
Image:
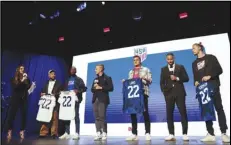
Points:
(141, 52)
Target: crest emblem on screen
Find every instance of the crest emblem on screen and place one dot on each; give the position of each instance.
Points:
(141, 52)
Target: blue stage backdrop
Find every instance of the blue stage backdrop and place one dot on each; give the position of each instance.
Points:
(37, 67)
(118, 69)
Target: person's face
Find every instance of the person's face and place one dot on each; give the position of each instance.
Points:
(98, 69)
(136, 61)
(73, 71)
(170, 59)
(21, 69)
(52, 75)
(196, 49)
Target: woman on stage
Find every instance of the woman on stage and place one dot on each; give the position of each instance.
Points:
(20, 85)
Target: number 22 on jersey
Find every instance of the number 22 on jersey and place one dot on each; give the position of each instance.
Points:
(205, 98)
(133, 91)
(67, 101)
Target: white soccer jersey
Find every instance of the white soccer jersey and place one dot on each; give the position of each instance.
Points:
(46, 107)
(67, 100)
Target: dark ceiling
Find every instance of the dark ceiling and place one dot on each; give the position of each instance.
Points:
(83, 31)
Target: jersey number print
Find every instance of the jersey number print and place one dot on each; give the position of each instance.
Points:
(67, 101)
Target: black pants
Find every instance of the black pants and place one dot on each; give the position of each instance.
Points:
(146, 118)
(16, 104)
(170, 105)
(220, 113)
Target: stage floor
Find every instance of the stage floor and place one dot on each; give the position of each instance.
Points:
(88, 140)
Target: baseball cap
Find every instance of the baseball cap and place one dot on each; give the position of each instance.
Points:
(50, 71)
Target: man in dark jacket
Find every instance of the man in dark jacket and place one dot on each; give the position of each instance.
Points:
(172, 79)
(76, 84)
(206, 68)
(54, 87)
(101, 87)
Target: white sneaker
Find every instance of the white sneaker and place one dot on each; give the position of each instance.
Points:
(209, 138)
(225, 138)
(104, 136)
(75, 136)
(65, 136)
(98, 136)
(148, 136)
(185, 137)
(171, 137)
(132, 137)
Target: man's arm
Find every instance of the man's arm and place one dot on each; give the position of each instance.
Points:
(213, 67)
(43, 92)
(148, 78)
(93, 90)
(109, 87)
(195, 75)
(183, 75)
(82, 87)
(162, 81)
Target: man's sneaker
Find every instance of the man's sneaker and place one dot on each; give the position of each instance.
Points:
(209, 138)
(225, 138)
(98, 136)
(132, 137)
(147, 136)
(75, 136)
(185, 137)
(171, 137)
(104, 136)
(65, 136)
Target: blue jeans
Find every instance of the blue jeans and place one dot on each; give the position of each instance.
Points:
(77, 121)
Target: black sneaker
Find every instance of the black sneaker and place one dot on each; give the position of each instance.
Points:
(41, 137)
(54, 137)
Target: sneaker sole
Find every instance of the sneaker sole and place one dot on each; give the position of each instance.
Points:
(173, 139)
(187, 140)
(209, 141)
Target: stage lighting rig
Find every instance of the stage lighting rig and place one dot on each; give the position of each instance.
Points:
(81, 7)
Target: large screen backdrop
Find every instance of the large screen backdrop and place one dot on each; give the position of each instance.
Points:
(119, 62)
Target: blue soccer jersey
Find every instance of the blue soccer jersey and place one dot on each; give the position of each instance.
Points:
(205, 97)
(133, 96)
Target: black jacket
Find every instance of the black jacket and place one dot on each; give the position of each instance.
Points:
(56, 91)
(212, 68)
(20, 90)
(78, 85)
(169, 87)
(103, 95)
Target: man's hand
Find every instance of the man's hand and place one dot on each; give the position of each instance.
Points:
(206, 78)
(42, 94)
(95, 85)
(196, 83)
(98, 88)
(173, 78)
(76, 91)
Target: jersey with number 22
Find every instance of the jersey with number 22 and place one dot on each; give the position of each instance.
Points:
(133, 96)
(46, 106)
(67, 100)
(205, 96)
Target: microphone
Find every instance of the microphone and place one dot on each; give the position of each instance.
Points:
(24, 75)
(96, 81)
